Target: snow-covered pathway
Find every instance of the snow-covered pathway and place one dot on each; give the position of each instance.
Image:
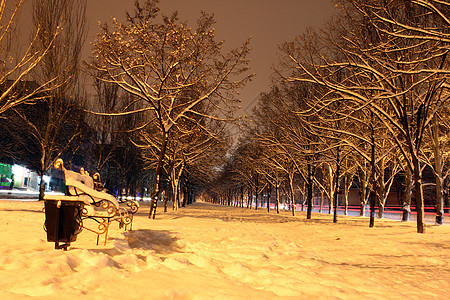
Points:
(206, 251)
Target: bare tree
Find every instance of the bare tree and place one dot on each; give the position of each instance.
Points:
(16, 65)
(59, 122)
(175, 72)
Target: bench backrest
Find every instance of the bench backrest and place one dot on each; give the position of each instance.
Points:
(82, 185)
(83, 178)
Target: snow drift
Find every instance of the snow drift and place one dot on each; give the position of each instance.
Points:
(207, 251)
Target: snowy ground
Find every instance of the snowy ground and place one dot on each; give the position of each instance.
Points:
(207, 251)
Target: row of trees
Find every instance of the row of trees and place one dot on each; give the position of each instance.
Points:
(162, 88)
(357, 103)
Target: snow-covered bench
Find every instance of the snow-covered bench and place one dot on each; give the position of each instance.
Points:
(98, 206)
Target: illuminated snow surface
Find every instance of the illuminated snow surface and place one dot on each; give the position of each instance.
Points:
(213, 252)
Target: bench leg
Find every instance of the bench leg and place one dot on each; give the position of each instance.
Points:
(106, 232)
(57, 226)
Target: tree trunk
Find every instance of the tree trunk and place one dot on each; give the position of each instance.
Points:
(363, 195)
(380, 208)
(269, 192)
(336, 190)
(175, 185)
(180, 196)
(406, 208)
(445, 195)
(277, 193)
(291, 192)
(439, 200)
(419, 195)
(164, 197)
(373, 179)
(346, 203)
(381, 189)
(310, 189)
(332, 190)
(159, 166)
(438, 172)
(321, 202)
(331, 203)
(372, 208)
(185, 196)
(41, 187)
(346, 191)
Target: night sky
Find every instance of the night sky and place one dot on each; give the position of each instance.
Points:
(268, 22)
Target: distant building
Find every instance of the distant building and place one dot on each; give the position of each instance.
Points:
(23, 178)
